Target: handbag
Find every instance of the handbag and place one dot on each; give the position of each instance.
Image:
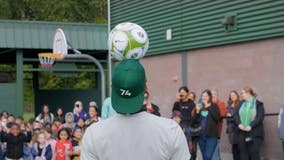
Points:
(194, 131)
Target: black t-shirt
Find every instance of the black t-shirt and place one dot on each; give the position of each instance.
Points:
(39, 150)
(185, 108)
(15, 144)
(75, 144)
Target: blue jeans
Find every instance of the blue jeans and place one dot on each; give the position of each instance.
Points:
(216, 155)
(1, 154)
(207, 146)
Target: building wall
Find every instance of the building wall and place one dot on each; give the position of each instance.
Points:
(163, 79)
(198, 24)
(7, 98)
(258, 64)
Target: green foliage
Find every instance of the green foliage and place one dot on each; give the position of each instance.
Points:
(27, 116)
(11, 69)
(55, 10)
(81, 80)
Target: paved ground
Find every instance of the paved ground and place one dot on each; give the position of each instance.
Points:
(227, 156)
(224, 156)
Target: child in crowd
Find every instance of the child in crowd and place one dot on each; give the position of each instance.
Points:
(41, 149)
(27, 146)
(19, 120)
(69, 121)
(93, 114)
(30, 124)
(10, 120)
(4, 114)
(15, 141)
(81, 123)
(1, 150)
(28, 151)
(37, 125)
(58, 123)
(63, 147)
(50, 140)
(59, 115)
(76, 142)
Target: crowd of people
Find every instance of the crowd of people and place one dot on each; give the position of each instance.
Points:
(58, 136)
(202, 122)
(48, 136)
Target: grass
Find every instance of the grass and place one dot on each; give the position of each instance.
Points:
(28, 116)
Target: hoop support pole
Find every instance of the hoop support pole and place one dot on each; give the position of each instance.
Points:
(97, 63)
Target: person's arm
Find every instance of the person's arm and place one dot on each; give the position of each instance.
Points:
(85, 116)
(259, 115)
(180, 148)
(70, 149)
(3, 136)
(176, 107)
(88, 149)
(214, 111)
(52, 117)
(27, 137)
(105, 109)
(38, 117)
(196, 118)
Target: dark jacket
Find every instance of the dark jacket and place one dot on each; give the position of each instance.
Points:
(1, 153)
(211, 125)
(231, 125)
(15, 144)
(185, 108)
(46, 153)
(257, 129)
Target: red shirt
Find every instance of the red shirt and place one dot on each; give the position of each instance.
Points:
(60, 150)
(223, 113)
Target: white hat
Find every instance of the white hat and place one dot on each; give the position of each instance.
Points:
(78, 103)
(93, 103)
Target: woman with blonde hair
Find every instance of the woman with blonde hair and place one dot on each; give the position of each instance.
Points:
(233, 104)
(249, 118)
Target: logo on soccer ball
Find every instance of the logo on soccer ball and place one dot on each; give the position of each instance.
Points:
(128, 41)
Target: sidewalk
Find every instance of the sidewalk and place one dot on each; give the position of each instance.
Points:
(224, 156)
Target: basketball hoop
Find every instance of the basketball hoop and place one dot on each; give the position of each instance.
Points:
(60, 49)
(47, 59)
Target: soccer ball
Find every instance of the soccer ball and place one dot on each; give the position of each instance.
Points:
(128, 41)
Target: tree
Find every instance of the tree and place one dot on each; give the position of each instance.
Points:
(55, 10)
(91, 11)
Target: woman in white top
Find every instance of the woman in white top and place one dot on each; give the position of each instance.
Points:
(45, 116)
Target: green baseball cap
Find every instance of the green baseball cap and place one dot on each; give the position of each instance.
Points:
(128, 86)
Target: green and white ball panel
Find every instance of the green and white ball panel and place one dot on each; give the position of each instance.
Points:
(128, 41)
